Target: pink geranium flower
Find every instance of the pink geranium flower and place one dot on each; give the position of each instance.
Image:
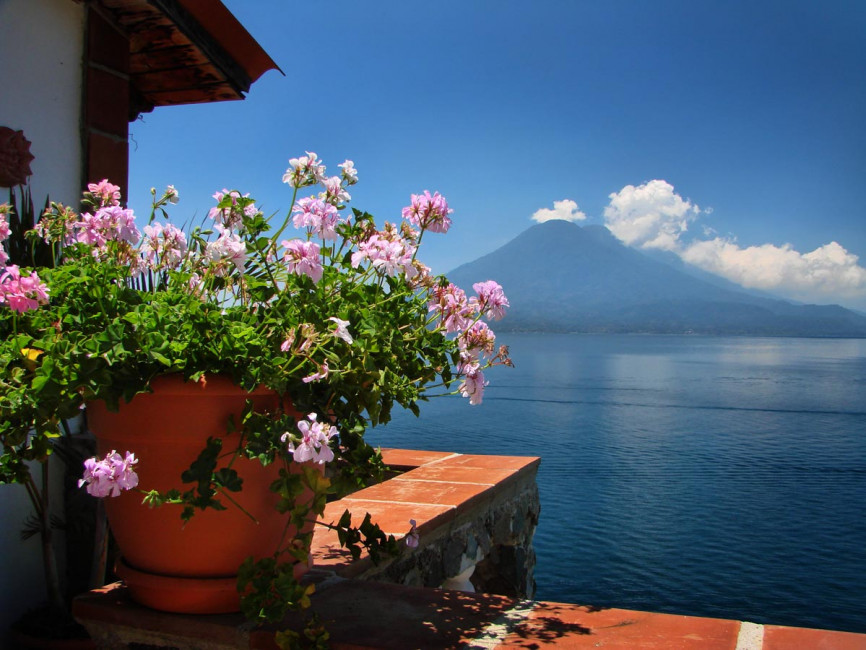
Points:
(4, 233)
(302, 258)
(389, 255)
(230, 217)
(342, 331)
(322, 373)
(4, 227)
(335, 193)
(473, 386)
(491, 299)
(429, 212)
(227, 248)
(106, 193)
(317, 215)
(22, 292)
(455, 311)
(305, 170)
(109, 476)
(314, 441)
(163, 246)
(348, 172)
(478, 339)
(412, 537)
(111, 223)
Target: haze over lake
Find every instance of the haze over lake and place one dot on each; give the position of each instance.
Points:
(708, 476)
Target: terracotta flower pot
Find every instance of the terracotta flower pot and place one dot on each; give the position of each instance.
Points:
(166, 564)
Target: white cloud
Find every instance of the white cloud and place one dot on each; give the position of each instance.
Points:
(652, 215)
(826, 272)
(566, 210)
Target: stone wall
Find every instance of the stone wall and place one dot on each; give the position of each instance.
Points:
(488, 550)
(476, 517)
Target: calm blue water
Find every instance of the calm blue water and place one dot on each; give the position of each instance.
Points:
(695, 475)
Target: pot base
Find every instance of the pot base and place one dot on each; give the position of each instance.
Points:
(185, 595)
(180, 595)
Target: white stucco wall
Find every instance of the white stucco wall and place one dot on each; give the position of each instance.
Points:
(41, 48)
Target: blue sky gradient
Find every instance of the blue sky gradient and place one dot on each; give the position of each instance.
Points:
(751, 112)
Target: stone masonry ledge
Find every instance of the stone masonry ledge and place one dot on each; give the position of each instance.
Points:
(465, 507)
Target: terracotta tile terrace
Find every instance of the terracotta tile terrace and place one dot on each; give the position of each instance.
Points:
(436, 489)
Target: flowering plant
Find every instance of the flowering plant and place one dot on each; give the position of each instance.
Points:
(343, 317)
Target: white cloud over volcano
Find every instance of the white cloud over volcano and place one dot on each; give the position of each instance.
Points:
(653, 215)
(566, 210)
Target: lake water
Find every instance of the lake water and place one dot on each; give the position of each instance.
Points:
(720, 477)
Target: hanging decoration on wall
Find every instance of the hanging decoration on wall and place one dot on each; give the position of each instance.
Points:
(15, 157)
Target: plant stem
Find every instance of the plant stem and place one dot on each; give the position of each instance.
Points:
(49, 560)
(100, 547)
(239, 506)
(286, 222)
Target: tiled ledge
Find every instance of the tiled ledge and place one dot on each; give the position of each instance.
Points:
(470, 499)
(378, 616)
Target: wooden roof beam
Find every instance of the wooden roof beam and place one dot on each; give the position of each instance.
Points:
(234, 74)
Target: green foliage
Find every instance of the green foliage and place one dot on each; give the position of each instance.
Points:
(24, 250)
(314, 637)
(268, 588)
(110, 328)
(366, 536)
(348, 346)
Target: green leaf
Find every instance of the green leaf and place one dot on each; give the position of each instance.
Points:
(228, 479)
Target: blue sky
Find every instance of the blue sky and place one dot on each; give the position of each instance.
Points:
(732, 134)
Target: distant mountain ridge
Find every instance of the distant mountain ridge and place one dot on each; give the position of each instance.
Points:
(562, 277)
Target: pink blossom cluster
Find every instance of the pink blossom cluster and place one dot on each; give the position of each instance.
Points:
(491, 300)
(477, 340)
(342, 331)
(57, 224)
(474, 342)
(317, 215)
(348, 172)
(321, 373)
(104, 193)
(335, 193)
(302, 258)
(227, 249)
(163, 246)
(388, 252)
(111, 223)
(22, 292)
(309, 337)
(109, 476)
(232, 216)
(457, 313)
(453, 308)
(429, 212)
(473, 383)
(314, 441)
(4, 233)
(304, 171)
(412, 537)
(462, 315)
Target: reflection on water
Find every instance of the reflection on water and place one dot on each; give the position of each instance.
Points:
(709, 476)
